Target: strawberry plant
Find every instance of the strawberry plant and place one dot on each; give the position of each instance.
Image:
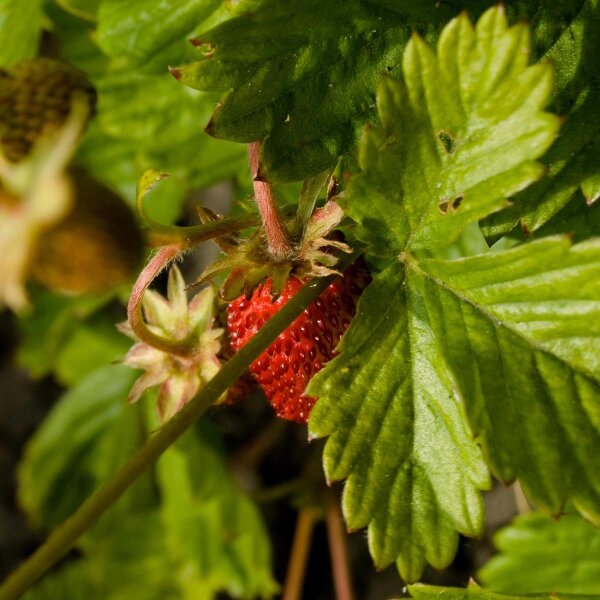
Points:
(408, 273)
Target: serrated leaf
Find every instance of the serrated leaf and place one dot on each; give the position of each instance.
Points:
(539, 554)
(303, 75)
(578, 219)
(458, 136)
(150, 31)
(20, 30)
(575, 156)
(512, 335)
(398, 432)
(520, 329)
(432, 592)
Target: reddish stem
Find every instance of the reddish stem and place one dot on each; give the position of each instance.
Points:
(336, 534)
(277, 235)
(134, 307)
(302, 538)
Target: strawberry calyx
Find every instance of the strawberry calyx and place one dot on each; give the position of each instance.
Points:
(300, 246)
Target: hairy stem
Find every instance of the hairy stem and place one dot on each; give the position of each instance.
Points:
(277, 235)
(64, 538)
(134, 308)
(336, 534)
(297, 566)
(184, 238)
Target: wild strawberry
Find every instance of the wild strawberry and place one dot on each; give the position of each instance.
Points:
(36, 95)
(95, 247)
(285, 368)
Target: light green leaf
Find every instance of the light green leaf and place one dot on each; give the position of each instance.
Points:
(590, 187)
(398, 432)
(57, 470)
(520, 330)
(573, 161)
(514, 336)
(214, 534)
(50, 329)
(147, 121)
(302, 75)
(21, 23)
(458, 136)
(150, 31)
(432, 592)
(539, 554)
(95, 343)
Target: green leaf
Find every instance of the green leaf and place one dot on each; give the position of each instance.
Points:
(458, 136)
(94, 344)
(398, 432)
(514, 336)
(58, 469)
(60, 327)
(432, 592)
(86, 9)
(577, 219)
(147, 121)
(21, 25)
(520, 330)
(150, 31)
(214, 534)
(539, 554)
(302, 75)
(574, 158)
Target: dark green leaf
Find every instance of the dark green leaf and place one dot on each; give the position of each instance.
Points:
(457, 137)
(539, 554)
(398, 432)
(86, 9)
(303, 75)
(21, 24)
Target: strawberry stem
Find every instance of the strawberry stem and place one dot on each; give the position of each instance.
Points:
(297, 566)
(134, 308)
(277, 236)
(337, 547)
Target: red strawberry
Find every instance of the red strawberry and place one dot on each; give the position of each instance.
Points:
(284, 369)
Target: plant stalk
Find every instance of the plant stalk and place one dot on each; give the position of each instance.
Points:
(297, 567)
(185, 238)
(336, 534)
(277, 236)
(64, 538)
(134, 307)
